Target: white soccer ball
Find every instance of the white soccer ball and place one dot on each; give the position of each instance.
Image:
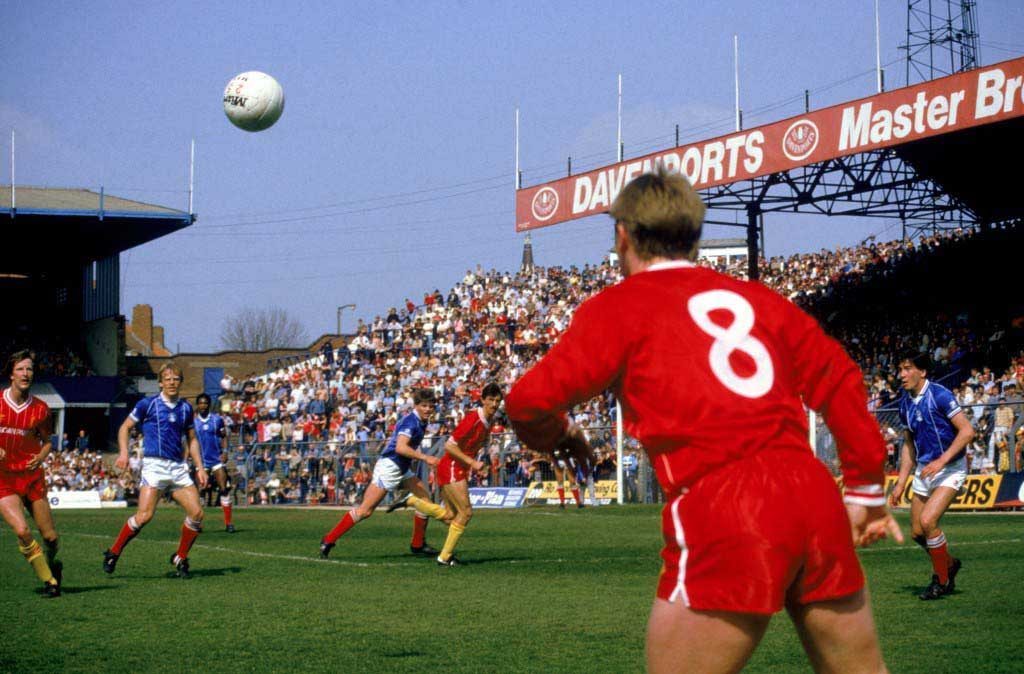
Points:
(253, 101)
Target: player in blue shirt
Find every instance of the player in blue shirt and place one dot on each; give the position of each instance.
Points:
(393, 470)
(165, 419)
(211, 431)
(935, 437)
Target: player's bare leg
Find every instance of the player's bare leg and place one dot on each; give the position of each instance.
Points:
(925, 518)
(371, 499)
(917, 504)
(456, 497)
(14, 514)
(12, 509)
(839, 635)
(680, 639)
(188, 499)
(148, 497)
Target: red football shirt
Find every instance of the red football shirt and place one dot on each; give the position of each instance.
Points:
(709, 369)
(23, 430)
(470, 435)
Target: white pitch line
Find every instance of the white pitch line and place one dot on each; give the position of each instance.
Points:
(910, 545)
(559, 560)
(253, 553)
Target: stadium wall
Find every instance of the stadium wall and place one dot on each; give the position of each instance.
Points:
(104, 343)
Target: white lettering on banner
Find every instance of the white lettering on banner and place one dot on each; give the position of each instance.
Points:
(992, 97)
(699, 163)
(864, 125)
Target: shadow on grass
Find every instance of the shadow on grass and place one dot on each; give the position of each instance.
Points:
(71, 589)
(491, 560)
(200, 573)
(404, 654)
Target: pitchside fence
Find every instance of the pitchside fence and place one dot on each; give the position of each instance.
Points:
(337, 473)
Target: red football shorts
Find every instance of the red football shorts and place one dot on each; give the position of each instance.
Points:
(757, 533)
(449, 470)
(29, 485)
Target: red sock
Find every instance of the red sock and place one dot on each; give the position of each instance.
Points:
(939, 552)
(346, 523)
(576, 495)
(189, 533)
(129, 531)
(419, 531)
(226, 507)
(561, 495)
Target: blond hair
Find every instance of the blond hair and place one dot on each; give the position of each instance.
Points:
(662, 214)
(173, 368)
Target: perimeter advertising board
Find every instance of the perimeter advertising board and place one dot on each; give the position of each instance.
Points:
(979, 492)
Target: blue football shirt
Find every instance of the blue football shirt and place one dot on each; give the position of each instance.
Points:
(928, 417)
(209, 431)
(163, 425)
(412, 427)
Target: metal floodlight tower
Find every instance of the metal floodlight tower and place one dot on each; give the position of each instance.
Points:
(942, 38)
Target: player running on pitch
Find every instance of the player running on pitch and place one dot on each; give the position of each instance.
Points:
(211, 431)
(393, 470)
(24, 445)
(165, 419)
(453, 470)
(713, 374)
(935, 440)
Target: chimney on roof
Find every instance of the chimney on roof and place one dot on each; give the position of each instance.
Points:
(157, 344)
(142, 323)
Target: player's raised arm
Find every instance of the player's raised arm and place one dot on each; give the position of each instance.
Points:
(585, 361)
(833, 385)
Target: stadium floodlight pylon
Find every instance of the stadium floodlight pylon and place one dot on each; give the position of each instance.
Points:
(941, 39)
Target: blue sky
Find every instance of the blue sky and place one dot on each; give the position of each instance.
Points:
(391, 170)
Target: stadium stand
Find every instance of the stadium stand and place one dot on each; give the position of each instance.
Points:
(303, 430)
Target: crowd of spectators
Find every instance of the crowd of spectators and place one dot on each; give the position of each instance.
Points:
(493, 325)
(71, 469)
(54, 357)
(308, 431)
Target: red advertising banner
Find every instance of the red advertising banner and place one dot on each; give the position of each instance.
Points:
(961, 101)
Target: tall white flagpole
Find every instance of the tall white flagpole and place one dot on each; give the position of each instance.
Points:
(736, 62)
(618, 135)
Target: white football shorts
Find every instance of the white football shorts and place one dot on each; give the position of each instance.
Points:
(953, 476)
(388, 475)
(164, 473)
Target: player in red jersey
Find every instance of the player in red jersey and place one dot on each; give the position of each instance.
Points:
(453, 470)
(712, 374)
(24, 445)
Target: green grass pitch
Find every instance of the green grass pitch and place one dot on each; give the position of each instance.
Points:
(543, 591)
